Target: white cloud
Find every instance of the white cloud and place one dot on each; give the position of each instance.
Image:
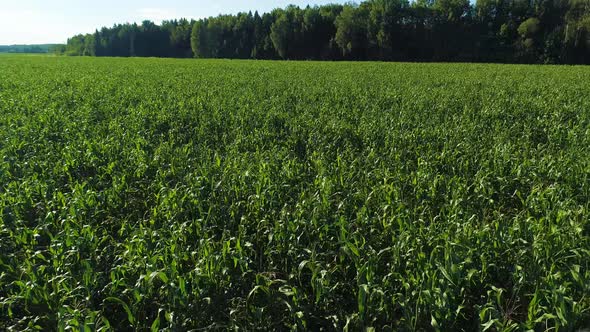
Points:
(156, 15)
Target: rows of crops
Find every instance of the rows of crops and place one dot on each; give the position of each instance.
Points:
(142, 194)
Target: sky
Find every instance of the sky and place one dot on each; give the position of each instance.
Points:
(54, 21)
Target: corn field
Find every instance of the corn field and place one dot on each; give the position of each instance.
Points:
(188, 195)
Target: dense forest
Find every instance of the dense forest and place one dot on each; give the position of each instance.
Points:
(523, 31)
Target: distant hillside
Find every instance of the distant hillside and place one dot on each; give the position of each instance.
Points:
(42, 48)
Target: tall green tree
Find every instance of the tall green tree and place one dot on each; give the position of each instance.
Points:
(287, 33)
(352, 31)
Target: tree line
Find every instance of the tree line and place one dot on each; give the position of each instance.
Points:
(515, 31)
(40, 48)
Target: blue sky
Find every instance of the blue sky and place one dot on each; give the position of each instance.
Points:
(53, 21)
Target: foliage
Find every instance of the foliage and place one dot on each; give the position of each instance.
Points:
(529, 27)
(351, 31)
(423, 30)
(181, 195)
